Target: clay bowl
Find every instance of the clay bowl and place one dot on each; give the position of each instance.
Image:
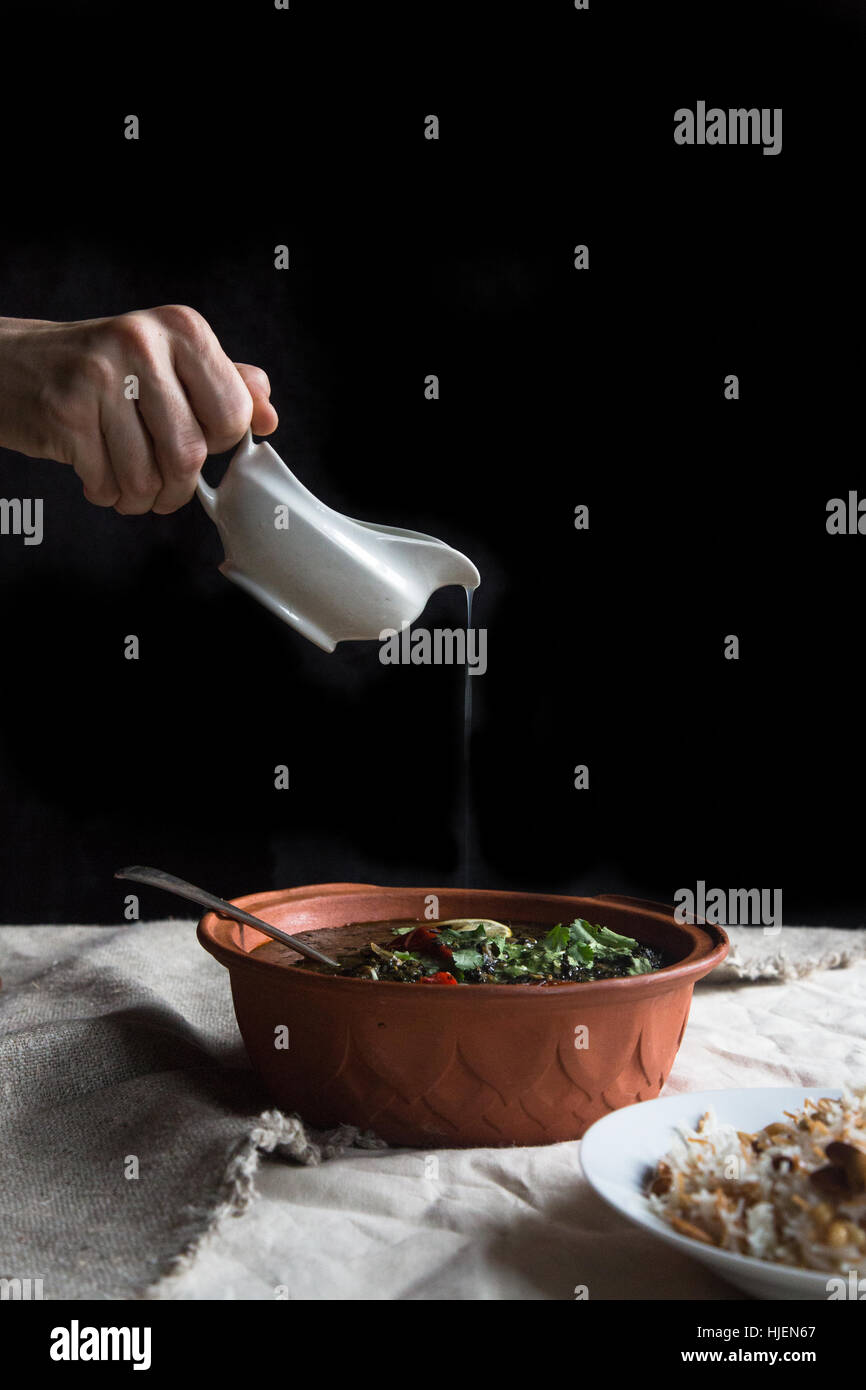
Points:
(433, 1066)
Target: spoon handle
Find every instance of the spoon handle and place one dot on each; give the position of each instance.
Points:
(158, 878)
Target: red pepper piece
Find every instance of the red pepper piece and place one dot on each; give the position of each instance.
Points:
(425, 942)
(442, 977)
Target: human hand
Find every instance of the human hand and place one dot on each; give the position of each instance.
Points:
(65, 393)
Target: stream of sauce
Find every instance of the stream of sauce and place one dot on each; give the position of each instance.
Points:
(466, 778)
(338, 942)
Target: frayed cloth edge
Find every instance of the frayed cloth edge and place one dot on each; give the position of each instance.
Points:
(270, 1133)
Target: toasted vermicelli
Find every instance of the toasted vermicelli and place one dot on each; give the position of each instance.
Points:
(793, 1193)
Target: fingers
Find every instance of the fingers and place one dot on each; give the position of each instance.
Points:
(217, 393)
(177, 442)
(132, 458)
(265, 418)
(97, 475)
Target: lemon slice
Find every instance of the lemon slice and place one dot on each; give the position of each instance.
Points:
(491, 928)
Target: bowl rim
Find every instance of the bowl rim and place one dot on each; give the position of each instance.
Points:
(709, 944)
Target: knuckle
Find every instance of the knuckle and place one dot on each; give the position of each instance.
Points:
(231, 426)
(256, 376)
(142, 489)
(184, 458)
(180, 318)
(129, 332)
(101, 495)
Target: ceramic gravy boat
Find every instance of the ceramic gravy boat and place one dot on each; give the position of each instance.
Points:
(330, 577)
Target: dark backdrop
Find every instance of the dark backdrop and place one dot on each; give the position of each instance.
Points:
(410, 257)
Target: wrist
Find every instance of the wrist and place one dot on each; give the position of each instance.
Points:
(23, 370)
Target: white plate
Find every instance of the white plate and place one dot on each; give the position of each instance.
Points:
(619, 1152)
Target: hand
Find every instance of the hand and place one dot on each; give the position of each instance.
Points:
(64, 394)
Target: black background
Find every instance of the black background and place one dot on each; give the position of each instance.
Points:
(604, 387)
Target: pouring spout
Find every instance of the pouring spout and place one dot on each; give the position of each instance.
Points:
(460, 570)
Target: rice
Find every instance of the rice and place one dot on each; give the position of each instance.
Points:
(794, 1193)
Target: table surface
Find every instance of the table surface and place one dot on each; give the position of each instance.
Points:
(518, 1223)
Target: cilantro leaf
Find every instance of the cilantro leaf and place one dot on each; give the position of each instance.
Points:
(468, 959)
(557, 939)
(614, 942)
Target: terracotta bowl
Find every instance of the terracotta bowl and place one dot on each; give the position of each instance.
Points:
(476, 1065)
